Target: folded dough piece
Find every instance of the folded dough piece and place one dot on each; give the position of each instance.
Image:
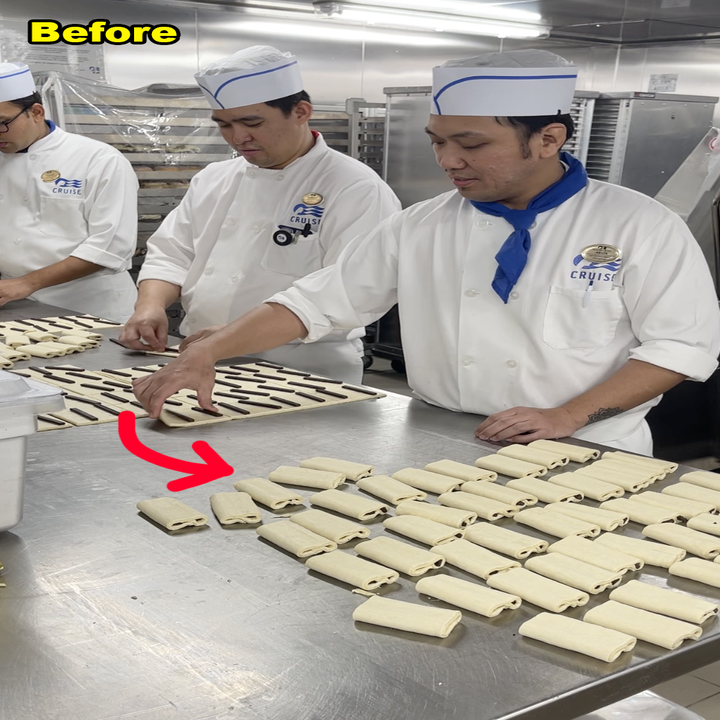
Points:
(709, 480)
(608, 520)
(484, 507)
(351, 470)
(641, 512)
(616, 561)
(508, 542)
(703, 571)
(82, 342)
(642, 472)
(693, 492)
(12, 354)
(429, 481)
(389, 489)
(235, 507)
(306, 477)
(548, 594)
(666, 602)
(510, 466)
(614, 476)
(589, 486)
(548, 458)
(576, 453)
(649, 552)
(171, 513)
(407, 616)
(555, 524)
(686, 508)
(664, 466)
(348, 504)
(60, 346)
(468, 473)
(642, 624)
(5, 363)
(570, 634)
(14, 339)
(400, 556)
(467, 595)
(352, 570)
(706, 523)
(268, 493)
(87, 334)
(575, 573)
(451, 516)
(545, 491)
(697, 543)
(40, 336)
(474, 559)
(39, 350)
(295, 539)
(500, 493)
(423, 530)
(339, 530)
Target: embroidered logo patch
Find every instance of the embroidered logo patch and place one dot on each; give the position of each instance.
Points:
(592, 270)
(304, 214)
(63, 186)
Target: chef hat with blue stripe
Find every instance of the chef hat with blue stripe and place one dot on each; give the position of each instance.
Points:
(250, 76)
(16, 81)
(519, 83)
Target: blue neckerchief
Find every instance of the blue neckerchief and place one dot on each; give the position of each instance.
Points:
(512, 256)
(52, 127)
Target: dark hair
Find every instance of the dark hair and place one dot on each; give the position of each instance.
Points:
(27, 102)
(286, 104)
(526, 127)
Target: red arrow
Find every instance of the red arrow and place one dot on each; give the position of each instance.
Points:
(212, 468)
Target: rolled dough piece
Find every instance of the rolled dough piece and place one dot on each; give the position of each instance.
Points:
(501, 493)
(428, 481)
(576, 453)
(664, 466)
(570, 634)
(451, 516)
(589, 486)
(423, 530)
(612, 475)
(644, 472)
(82, 342)
(345, 503)
(548, 594)
(608, 520)
(268, 493)
(389, 489)
(38, 336)
(641, 512)
(686, 508)
(709, 480)
(407, 616)
(339, 530)
(575, 573)
(703, 571)
(5, 363)
(39, 350)
(12, 354)
(468, 473)
(352, 570)
(508, 542)
(467, 595)
(705, 523)
(484, 507)
(545, 491)
(642, 624)
(553, 523)
(87, 334)
(14, 339)
(693, 492)
(666, 602)
(697, 543)
(400, 556)
(60, 346)
(536, 455)
(235, 507)
(649, 552)
(616, 561)
(351, 470)
(510, 466)
(306, 477)
(295, 539)
(171, 513)
(474, 559)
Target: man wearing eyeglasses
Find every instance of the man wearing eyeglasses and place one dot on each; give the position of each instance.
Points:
(69, 210)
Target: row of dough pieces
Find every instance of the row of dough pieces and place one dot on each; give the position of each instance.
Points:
(321, 532)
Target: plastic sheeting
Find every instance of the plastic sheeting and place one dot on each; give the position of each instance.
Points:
(643, 706)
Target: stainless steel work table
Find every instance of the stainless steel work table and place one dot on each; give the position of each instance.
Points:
(107, 616)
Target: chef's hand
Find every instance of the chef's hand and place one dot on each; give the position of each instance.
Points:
(200, 335)
(147, 329)
(193, 369)
(523, 425)
(15, 289)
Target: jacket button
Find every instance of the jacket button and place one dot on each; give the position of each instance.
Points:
(514, 294)
(467, 361)
(511, 363)
(208, 271)
(470, 293)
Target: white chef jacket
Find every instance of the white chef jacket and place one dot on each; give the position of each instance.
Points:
(217, 244)
(88, 212)
(558, 336)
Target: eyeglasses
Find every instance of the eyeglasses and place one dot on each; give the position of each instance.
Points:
(4, 125)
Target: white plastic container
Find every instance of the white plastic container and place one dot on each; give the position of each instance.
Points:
(21, 401)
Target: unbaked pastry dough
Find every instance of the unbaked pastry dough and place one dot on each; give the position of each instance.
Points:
(666, 602)
(548, 594)
(352, 570)
(501, 493)
(60, 346)
(709, 480)
(348, 504)
(608, 520)
(389, 489)
(641, 512)
(87, 334)
(589, 486)
(307, 477)
(169, 417)
(268, 493)
(616, 561)
(428, 481)
(5, 363)
(351, 470)
(664, 466)
(235, 507)
(545, 491)
(474, 559)
(614, 476)
(646, 473)
(706, 523)
(467, 595)
(14, 339)
(171, 513)
(40, 336)
(484, 507)
(77, 340)
(553, 523)
(508, 542)
(510, 466)
(703, 571)
(451, 516)
(423, 530)
(650, 553)
(693, 492)
(81, 413)
(576, 453)
(295, 539)
(548, 458)
(407, 616)
(39, 350)
(573, 572)
(686, 508)
(12, 354)
(339, 530)
(400, 556)
(469, 473)
(697, 543)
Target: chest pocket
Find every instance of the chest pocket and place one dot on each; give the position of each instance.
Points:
(62, 217)
(297, 260)
(569, 326)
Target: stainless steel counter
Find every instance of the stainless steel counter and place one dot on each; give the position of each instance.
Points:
(107, 616)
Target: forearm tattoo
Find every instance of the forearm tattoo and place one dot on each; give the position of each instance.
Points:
(603, 414)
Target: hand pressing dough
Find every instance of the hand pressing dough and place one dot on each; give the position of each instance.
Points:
(576, 453)
(548, 594)
(589, 486)
(468, 473)
(545, 491)
(570, 634)
(709, 480)
(553, 523)
(649, 552)
(616, 561)
(693, 492)
(348, 504)
(665, 602)
(538, 456)
(407, 616)
(686, 508)
(306, 477)
(642, 624)
(608, 520)
(171, 513)
(697, 543)
(664, 466)
(706, 523)
(474, 559)
(423, 530)
(467, 595)
(612, 475)
(500, 493)
(451, 516)
(573, 572)
(508, 542)
(510, 466)
(400, 556)
(40, 350)
(703, 571)
(389, 489)
(484, 507)
(351, 470)
(641, 512)
(352, 570)
(235, 508)
(295, 539)
(268, 493)
(339, 530)
(428, 481)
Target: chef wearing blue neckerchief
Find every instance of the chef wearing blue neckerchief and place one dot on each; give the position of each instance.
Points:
(554, 304)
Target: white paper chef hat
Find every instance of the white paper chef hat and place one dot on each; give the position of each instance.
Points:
(250, 76)
(505, 84)
(16, 81)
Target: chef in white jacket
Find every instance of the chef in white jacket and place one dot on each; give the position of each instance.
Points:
(69, 210)
(554, 304)
(249, 227)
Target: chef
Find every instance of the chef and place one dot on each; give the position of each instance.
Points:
(554, 304)
(249, 227)
(69, 210)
